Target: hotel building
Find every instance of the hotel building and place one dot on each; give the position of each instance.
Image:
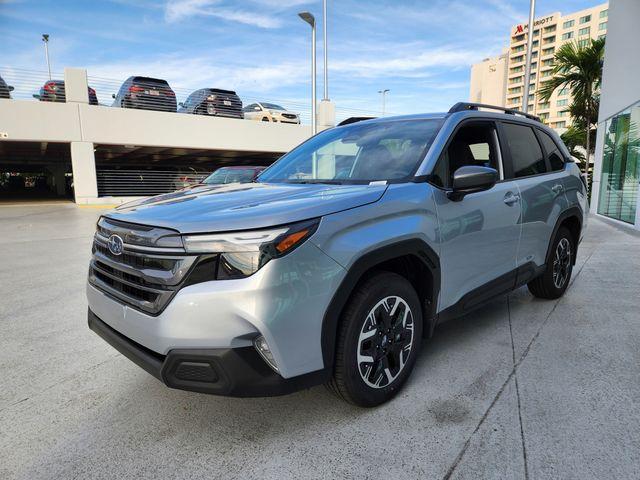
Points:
(500, 80)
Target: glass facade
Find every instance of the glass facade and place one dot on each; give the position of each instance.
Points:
(621, 166)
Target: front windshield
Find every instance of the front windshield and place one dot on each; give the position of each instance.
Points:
(229, 175)
(358, 153)
(272, 106)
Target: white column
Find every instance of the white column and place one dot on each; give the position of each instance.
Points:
(83, 163)
(597, 168)
(75, 85)
(326, 115)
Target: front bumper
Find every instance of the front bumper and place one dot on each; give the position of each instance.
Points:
(238, 372)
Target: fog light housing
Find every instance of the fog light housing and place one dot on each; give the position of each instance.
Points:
(265, 352)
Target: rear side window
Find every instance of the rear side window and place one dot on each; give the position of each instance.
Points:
(526, 153)
(553, 152)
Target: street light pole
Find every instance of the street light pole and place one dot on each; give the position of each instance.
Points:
(527, 67)
(324, 49)
(310, 19)
(45, 39)
(384, 96)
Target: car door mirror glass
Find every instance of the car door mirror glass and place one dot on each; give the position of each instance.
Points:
(471, 179)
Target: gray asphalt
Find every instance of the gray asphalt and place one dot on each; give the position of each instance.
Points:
(522, 388)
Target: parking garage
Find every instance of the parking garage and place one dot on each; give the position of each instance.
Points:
(94, 154)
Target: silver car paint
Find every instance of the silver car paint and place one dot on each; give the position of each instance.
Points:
(477, 239)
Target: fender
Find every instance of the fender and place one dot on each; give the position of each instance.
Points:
(416, 247)
(568, 213)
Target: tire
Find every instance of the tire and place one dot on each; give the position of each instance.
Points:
(376, 304)
(265, 119)
(555, 279)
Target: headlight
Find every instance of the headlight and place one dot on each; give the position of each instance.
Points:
(243, 253)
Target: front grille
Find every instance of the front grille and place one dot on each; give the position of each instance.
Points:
(289, 115)
(144, 277)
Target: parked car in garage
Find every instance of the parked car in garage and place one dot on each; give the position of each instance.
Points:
(233, 175)
(213, 102)
(269, 112)
(54, 91)
(146, 93)
(5, 89)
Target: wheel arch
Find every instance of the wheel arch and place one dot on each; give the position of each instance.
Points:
(572, 219)
(409, 258)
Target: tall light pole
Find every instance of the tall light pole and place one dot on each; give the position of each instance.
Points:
(527, 67)
(384, 97)
(310, 19)
(324, 49)
(45, 39)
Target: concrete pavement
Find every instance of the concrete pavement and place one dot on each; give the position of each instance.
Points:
(522, 388)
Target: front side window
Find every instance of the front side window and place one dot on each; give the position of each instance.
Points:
(473, 144)
(553, 152)
(230, 175)
(358, 153)
(526, 154)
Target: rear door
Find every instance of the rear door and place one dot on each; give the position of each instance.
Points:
(541, 190)
(479, 234)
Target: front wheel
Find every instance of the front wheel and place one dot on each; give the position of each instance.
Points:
(555, 279)
(378, 340)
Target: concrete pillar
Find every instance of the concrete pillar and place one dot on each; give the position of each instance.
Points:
(326, 115)
(597, 168)
(59, 179)
(83, 163)
(75, 85)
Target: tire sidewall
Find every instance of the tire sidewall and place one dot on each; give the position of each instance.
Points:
(562, 233)
(384, 285)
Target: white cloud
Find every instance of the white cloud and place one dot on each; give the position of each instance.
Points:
(179, 10)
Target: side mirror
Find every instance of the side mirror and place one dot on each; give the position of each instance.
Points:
(257, 109)
(113, 95)
(10, 87)
(471, 179)
(35, 95)
(181, 104)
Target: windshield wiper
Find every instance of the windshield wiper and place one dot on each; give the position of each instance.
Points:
(328, 182)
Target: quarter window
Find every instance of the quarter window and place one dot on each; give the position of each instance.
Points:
(553, 152)
(526, 154)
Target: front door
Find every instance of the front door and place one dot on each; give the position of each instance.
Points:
(479, 234)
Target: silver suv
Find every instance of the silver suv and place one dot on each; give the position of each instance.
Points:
(342, 258)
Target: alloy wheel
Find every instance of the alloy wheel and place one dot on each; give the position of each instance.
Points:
(385, 342)
(562, 263)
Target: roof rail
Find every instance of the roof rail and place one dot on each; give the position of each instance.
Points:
(351, 120)
(464, 106)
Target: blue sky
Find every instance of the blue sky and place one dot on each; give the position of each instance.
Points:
(420, 50)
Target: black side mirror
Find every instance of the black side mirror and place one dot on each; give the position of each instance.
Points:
(471, 179)
(10, 87)
(113, 95)
(181, 104)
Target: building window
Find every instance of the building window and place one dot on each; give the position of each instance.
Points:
(567, 36)
(544, 106)
(600, 37)
(604, 14)
(515, 90)
(562, 124)
(584, 31)
(562, 102)
(563, 113)
(620, 166)
(544, 116)
(534, 54)
(534, 65)
(532, 96)
(515, 80)
(516, 69)
(583, 43)
(602, 26)
(585, 19)
(519, 48)
(536, 43)
(517, 59)
(551, 28)
(549, 40)
(547, 51)
(548, 62)
(546, 73)
(568, 24)
(519, 38)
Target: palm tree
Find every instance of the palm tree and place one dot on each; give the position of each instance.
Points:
(579, 69)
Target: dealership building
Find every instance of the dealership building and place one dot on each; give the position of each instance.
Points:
(499, 80)
(617, 157)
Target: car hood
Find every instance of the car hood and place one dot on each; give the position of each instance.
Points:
(212, 208)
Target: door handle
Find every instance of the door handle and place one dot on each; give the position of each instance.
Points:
(557, 189)
(510, 198)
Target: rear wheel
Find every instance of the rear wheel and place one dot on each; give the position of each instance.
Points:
(555, 279)
(378, 340)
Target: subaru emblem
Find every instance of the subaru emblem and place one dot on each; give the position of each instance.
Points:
(115, 244)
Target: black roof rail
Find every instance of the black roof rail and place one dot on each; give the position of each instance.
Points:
(354, 120)
(464, 106)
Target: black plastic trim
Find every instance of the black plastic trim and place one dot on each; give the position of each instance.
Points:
(236, 372)
(568, 213)
(366, 262)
